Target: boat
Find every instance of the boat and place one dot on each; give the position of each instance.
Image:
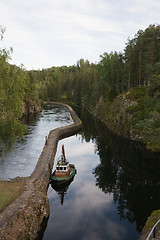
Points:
(64, 171)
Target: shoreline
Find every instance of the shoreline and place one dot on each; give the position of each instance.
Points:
(23, 218)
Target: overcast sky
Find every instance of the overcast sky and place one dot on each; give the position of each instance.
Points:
(46, 33)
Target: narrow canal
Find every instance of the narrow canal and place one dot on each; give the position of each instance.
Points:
(114, 191)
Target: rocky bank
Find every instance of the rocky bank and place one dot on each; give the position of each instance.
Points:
(132, 116)
(30, 106)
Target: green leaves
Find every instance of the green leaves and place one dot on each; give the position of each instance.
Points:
(13, 86)
(154, 81)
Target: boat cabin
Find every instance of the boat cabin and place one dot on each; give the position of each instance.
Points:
(62, 167)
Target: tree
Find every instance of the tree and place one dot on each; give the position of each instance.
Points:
(13, 87)
(154, 81)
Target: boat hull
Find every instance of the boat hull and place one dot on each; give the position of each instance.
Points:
(62, 180)
(61, 187)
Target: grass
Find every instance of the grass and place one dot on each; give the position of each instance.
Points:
(9, 191)
(151, 221)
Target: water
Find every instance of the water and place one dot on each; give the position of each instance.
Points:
(87, 212)
(89, 209)
(21, 160)
(114, 191)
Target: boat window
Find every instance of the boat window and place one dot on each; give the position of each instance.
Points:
(61, 168)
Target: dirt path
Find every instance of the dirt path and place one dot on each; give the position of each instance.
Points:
(22, 219)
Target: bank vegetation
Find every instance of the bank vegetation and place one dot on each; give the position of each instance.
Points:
(122, 89)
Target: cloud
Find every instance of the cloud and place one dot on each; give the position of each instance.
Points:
(94, 214)
(47, 33)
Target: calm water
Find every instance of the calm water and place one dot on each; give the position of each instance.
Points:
(114, 191)
(22, 158)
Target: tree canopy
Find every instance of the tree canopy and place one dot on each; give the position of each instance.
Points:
(86, 84)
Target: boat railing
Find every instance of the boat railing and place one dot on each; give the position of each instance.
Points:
(153, 233)
(61, 159)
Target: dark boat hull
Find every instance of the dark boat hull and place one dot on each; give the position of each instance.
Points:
(59, 186)
(62, 180)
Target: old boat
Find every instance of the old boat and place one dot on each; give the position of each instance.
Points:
(64, 171)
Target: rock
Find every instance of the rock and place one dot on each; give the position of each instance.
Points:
(30, 106)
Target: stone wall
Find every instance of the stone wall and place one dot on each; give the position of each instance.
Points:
(23, 218)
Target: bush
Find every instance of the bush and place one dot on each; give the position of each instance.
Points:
(137, 93)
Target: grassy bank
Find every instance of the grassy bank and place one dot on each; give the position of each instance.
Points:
(9, 191)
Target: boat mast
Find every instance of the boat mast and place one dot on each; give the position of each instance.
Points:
(63, 153)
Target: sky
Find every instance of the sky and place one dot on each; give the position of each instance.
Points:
(46, 33)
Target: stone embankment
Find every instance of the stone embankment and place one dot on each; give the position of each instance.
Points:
(24, 218)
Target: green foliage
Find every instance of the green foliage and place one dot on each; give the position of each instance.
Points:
(13, 87)
(136, 71)
(154, 81)
(137, 93)
(110, 73)
(146, 119)
(150, 130)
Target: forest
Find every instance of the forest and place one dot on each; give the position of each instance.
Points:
(133, 74)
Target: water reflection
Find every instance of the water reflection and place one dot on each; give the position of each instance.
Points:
(127, 171)
(61, 189)
(132, 177)
(87, 212)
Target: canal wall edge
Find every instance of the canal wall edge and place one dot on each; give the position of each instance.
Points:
(23, 218)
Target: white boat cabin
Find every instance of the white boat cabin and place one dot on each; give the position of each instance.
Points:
(62, 166)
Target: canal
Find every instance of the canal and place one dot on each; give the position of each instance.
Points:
(114, 191)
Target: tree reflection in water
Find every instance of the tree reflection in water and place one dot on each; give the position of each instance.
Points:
(126, 170)
(13, 134)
